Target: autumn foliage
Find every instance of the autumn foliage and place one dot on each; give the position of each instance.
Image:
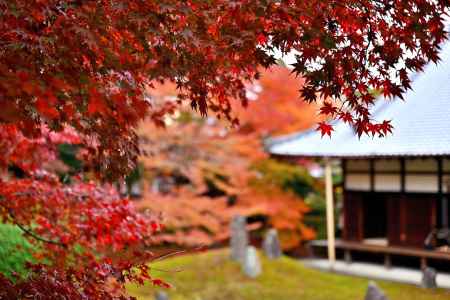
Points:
(89, 63)
(86, 71)
(202, 175)
(199, 173)
(87, 240)
(275, 106)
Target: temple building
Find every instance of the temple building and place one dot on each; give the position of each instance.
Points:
(395, 188)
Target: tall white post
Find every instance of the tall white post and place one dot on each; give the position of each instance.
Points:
(330, 213)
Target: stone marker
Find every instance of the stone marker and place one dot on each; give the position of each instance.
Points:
(252, 265)
(429, 278)
(239, 238)
(374, 292)
(122, 187)
(160, 295)
(135, 190)
(271, 244)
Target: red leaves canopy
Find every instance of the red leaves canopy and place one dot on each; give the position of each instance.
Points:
(86, 63)
(87, 239)
(92, 65)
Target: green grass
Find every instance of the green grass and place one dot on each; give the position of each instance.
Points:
(15, 250)
(212, 276)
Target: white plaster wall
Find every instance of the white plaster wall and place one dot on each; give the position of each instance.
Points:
(388, 183)
(446, 183)
(421, 183)
(357, 182)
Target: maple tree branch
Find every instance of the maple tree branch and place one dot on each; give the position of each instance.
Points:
(37, 237)
(167, 255)
(170, 254)
(32, 234)
(167, 271)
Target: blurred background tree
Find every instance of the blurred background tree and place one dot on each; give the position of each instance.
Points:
(199, 172)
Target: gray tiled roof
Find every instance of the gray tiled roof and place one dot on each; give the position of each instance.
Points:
(421, 124)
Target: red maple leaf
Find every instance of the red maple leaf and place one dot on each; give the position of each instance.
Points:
(262, 39)
(325, 129)
(346, 117)
(385, 127)
(328, 109)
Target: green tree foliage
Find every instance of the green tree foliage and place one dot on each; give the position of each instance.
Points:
(293, 177)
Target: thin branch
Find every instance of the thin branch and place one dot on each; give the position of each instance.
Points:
(170, 254)
(37, 237)
(32, 234)
(166, 271)
(167, 255)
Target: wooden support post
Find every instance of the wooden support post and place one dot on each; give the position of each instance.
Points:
(347, 256)
(387, 261)
(330, 214)
(444, 212)
(423, 263)
(444, 199)
(310, 250)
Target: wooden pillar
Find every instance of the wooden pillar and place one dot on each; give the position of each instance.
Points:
(347, 256)
(444, 199)
(402, 202)
(423, 263)
(387, 261)
(445, 222)
(330, 213)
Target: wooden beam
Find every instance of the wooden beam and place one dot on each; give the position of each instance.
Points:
(402, 175)
(392, 250)
(372, 174)
(330, 213)
(347, 256)
(445, 222)
(344, 174)
(387, 261)
(444, 199)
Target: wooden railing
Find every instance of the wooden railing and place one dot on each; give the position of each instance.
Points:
(348, 247)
